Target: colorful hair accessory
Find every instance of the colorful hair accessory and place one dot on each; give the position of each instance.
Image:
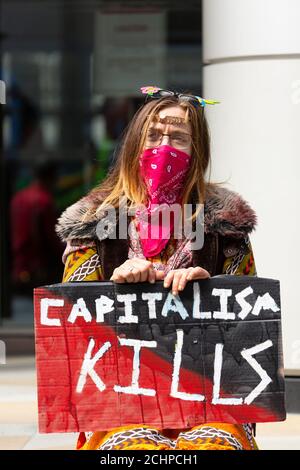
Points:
(154, 92)
(149, 90)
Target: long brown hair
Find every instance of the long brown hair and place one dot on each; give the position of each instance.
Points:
(123, 180)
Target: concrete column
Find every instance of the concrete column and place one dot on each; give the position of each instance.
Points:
(251, 61)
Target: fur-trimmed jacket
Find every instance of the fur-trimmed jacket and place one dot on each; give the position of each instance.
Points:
(228, 221)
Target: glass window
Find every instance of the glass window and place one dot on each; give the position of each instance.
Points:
(72, 72)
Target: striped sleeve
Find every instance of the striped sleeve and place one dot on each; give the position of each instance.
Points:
(242, 263)
(83, 265)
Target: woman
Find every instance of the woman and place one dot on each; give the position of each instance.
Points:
(163, 159)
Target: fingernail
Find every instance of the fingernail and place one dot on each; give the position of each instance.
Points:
(152, 281)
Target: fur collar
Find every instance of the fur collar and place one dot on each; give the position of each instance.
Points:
(225, 212)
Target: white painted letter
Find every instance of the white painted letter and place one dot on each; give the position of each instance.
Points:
(134, 387)
(175, 374)
(246, 307)
(265, 378)
(152, 297)
(88, 365)
(216, 400)
(197, 313)
(177, 306)
(128, 317)
(266, 302)
(103, 305)
(79, 309)
(45, 304)
(223, 314)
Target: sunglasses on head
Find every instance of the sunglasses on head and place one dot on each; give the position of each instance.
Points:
(154, 93)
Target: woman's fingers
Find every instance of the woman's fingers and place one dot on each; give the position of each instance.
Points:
(133, 273)
(134, 270)
(183, 279)
(173, 277)
(141, 270)
(147, 269)
(121, 275)
(117, 276)
(198, 273)
(151, 275)
(169, 278)
(159, 275)
(179, 277)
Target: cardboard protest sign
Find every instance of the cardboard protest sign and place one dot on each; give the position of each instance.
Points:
(110, 354)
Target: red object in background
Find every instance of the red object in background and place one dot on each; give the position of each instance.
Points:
(36, 249)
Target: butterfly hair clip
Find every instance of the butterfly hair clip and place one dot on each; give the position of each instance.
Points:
(154, 92)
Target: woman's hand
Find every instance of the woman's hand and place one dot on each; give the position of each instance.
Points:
(181, 276)
(136, 270)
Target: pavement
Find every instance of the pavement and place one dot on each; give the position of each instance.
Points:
(18, 416)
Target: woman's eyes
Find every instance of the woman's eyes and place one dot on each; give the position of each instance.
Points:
(174, 136)
(178, 137)
(153, 134)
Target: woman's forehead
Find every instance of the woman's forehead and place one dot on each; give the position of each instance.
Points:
(171, 114)
(174, 115)
(168, 119)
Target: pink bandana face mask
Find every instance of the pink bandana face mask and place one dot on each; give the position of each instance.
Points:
(163, 170)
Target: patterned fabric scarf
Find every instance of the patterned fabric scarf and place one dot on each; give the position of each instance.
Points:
(181, 258)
